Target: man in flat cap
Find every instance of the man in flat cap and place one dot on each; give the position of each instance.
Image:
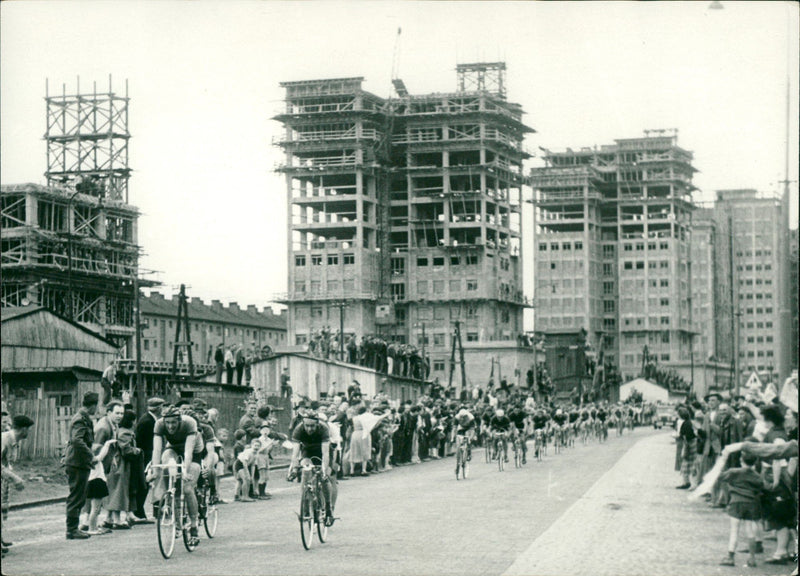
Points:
(20, 425)
(78, 461)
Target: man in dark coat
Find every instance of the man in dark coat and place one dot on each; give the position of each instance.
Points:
(78, 461)
(144, 441)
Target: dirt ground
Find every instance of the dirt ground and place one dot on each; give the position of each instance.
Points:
(43, 479)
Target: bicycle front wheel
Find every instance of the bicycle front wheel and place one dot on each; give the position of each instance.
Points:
(166, 526)
(322, 528)
(306, 519)
(210, 520)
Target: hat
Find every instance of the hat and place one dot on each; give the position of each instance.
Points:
(155, 402)
(91, 398)
(713, 395)
(199, 403)
(22, 421)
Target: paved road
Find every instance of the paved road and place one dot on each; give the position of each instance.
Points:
(601, 509)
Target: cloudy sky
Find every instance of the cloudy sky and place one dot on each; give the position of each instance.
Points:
(203, 78)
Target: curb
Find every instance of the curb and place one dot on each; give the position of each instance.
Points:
(61, 499)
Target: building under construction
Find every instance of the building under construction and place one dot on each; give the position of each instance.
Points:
(405, 212)
(612, 250)
(71, 245)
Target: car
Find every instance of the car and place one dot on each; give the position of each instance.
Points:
(665, 415)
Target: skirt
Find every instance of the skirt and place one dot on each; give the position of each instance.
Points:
(97, 489)
(744, 510)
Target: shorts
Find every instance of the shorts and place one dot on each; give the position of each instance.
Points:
(744, 510)
(97, 489)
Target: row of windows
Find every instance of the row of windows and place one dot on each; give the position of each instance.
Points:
(757, 267)
(757, 253)
(318, 259)
(758, 354)
(438, 261)
(565, 246)
(639, 246)
(758, 339)
(758, 296)
(216, 329)
(756, 282)
(767, 310)
(438, 286)
(756, 325)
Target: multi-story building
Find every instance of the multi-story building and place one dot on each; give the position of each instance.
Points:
(612, 249)
(405, 213)
(71, 246)
(757, 229)
(209, 325)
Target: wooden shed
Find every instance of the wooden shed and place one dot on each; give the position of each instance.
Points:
(46, 356)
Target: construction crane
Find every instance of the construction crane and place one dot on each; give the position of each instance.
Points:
(398, 84)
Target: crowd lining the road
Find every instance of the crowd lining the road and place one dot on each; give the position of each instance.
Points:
(740, 456)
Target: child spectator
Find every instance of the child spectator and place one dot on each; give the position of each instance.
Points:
(744, 508)
(243, 468)
(262, 460)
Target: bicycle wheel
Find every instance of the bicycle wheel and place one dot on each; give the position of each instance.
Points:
(322, 528)
(501, 458)
(464, 467)
(211, 517)
(517, 455)
(166, 525)
(487, 451)
(306, 518)
(459, 460)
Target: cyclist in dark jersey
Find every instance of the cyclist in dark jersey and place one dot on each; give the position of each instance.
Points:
(519, 418)
(500, 425)
(175, 435)
(312, 442)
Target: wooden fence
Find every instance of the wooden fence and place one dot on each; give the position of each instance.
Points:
(50, 431)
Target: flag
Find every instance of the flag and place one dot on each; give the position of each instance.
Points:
(788, 396)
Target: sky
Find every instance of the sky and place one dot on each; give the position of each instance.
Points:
(203, 81)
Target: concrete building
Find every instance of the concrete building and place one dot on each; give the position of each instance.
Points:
(405, 213)
(612, 250)
(71, 246)
(760, 253)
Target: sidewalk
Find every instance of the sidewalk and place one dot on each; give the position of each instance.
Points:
(634, 522)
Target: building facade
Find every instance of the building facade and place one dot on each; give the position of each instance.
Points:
(760, 256)
(210, 325)
(611, 244)
(405, 213)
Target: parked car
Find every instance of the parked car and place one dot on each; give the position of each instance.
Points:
(665, 416)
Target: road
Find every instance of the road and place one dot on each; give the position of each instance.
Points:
(594, 509)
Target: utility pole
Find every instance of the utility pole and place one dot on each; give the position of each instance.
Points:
(183, 317)
(140, 392)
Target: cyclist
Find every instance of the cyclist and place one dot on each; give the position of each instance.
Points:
(176, 434)
(500, 427)
(540, 421)
(520, 419)
(312, 440)
(559, 420)
(208, 456)
(466, 426)
(601, 418)
(574, 416)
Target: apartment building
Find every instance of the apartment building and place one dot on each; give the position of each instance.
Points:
(611, 249)
(405, 212)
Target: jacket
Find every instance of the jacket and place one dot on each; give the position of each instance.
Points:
(81, 437)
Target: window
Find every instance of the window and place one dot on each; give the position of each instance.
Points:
(438, 365)
(608, 251)
(664, 245)
(665, 320)
(351, 259)
(438, 261)
(665, 301)
(608, 288)
(398, 266)
(628, 247)
(422, 262)
(552, 265)
(554, 247)
(578, 246)
(663, 264)
(542, 247)
(651, 265)
(472, 259)
(608, 306)
(664, 283)
(639, 246)
(472, 336)
(472, 285)
(155, 322)
(640, 265)
(438, 340)
(316, 260)
(609, 323)
(628, 265)
(146, 344)
(299, 260)
(333, 259)
(398, 292)
(665, 337)
(472, 312)
(422, 287)
(566, 246)
(608, 269)
(455, 285)
(455, 260)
